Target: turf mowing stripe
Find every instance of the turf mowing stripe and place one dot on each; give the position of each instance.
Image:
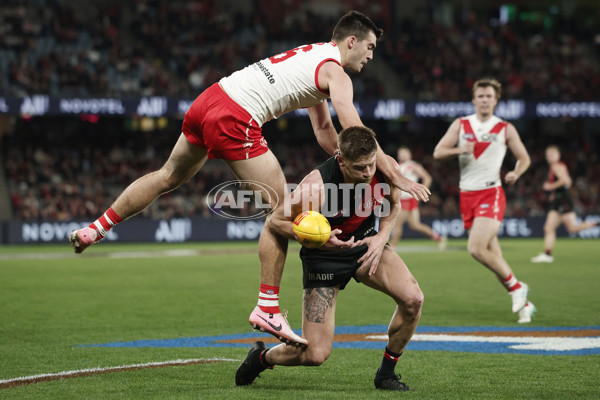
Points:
(128, 254)
(182, 253)
(28, 380)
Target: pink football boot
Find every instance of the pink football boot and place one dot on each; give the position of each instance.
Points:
(276, 325)
(82, 239)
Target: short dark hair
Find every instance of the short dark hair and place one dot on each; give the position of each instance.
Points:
(485, 82)
(356, 142)
(354, 23)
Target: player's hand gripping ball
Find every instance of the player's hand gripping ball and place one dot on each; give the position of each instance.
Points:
(312, 229)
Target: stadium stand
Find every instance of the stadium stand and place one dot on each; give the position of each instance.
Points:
(58, 169)
(150, 47)
(73, 170)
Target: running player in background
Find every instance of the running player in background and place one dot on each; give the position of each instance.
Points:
(410, 206)
(225, 121)
(327, 270)
(560, 204)
(480, 141)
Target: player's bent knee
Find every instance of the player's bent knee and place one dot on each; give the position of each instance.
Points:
(313, 361)
(571, 230)
(172, 176)
(475, 251)
(168, 181)
(275, 225)
(411, 302)
(172, 184)
(415, 303)
(315, 358)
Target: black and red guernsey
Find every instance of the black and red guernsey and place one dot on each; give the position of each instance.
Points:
(340, 205)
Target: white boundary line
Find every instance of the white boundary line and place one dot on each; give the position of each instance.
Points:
(26, 380)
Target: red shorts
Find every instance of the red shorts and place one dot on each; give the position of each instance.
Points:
(223, 127)
(489, 203)
(409, 204)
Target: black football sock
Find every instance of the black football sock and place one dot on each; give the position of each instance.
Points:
(388, 364)
(263, 360)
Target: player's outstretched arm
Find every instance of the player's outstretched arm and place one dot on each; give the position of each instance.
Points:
(518, 149)
(325, 132)
(391, 170)
(333, 79)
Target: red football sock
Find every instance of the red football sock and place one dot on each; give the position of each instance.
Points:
(511, 283)
(105, 223)
(268, 299)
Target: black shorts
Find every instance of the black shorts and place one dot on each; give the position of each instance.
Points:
(562, 202)
(330, 268)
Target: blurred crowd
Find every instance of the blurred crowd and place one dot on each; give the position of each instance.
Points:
(438, 62)
(62, 176)
(50, 47)
(145, 47)
(178, 47)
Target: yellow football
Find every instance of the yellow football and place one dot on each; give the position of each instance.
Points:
(312, 229)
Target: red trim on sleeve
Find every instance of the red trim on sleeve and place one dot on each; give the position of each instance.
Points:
(317, 72)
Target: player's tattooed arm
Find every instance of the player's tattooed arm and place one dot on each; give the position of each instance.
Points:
(316, 303)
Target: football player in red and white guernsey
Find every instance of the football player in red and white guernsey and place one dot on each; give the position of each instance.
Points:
(225, 121)
(410, 206)
(480, 141)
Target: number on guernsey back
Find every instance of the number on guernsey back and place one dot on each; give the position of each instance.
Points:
(285, 55)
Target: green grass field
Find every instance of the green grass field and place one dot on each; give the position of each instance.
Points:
(53, 302)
